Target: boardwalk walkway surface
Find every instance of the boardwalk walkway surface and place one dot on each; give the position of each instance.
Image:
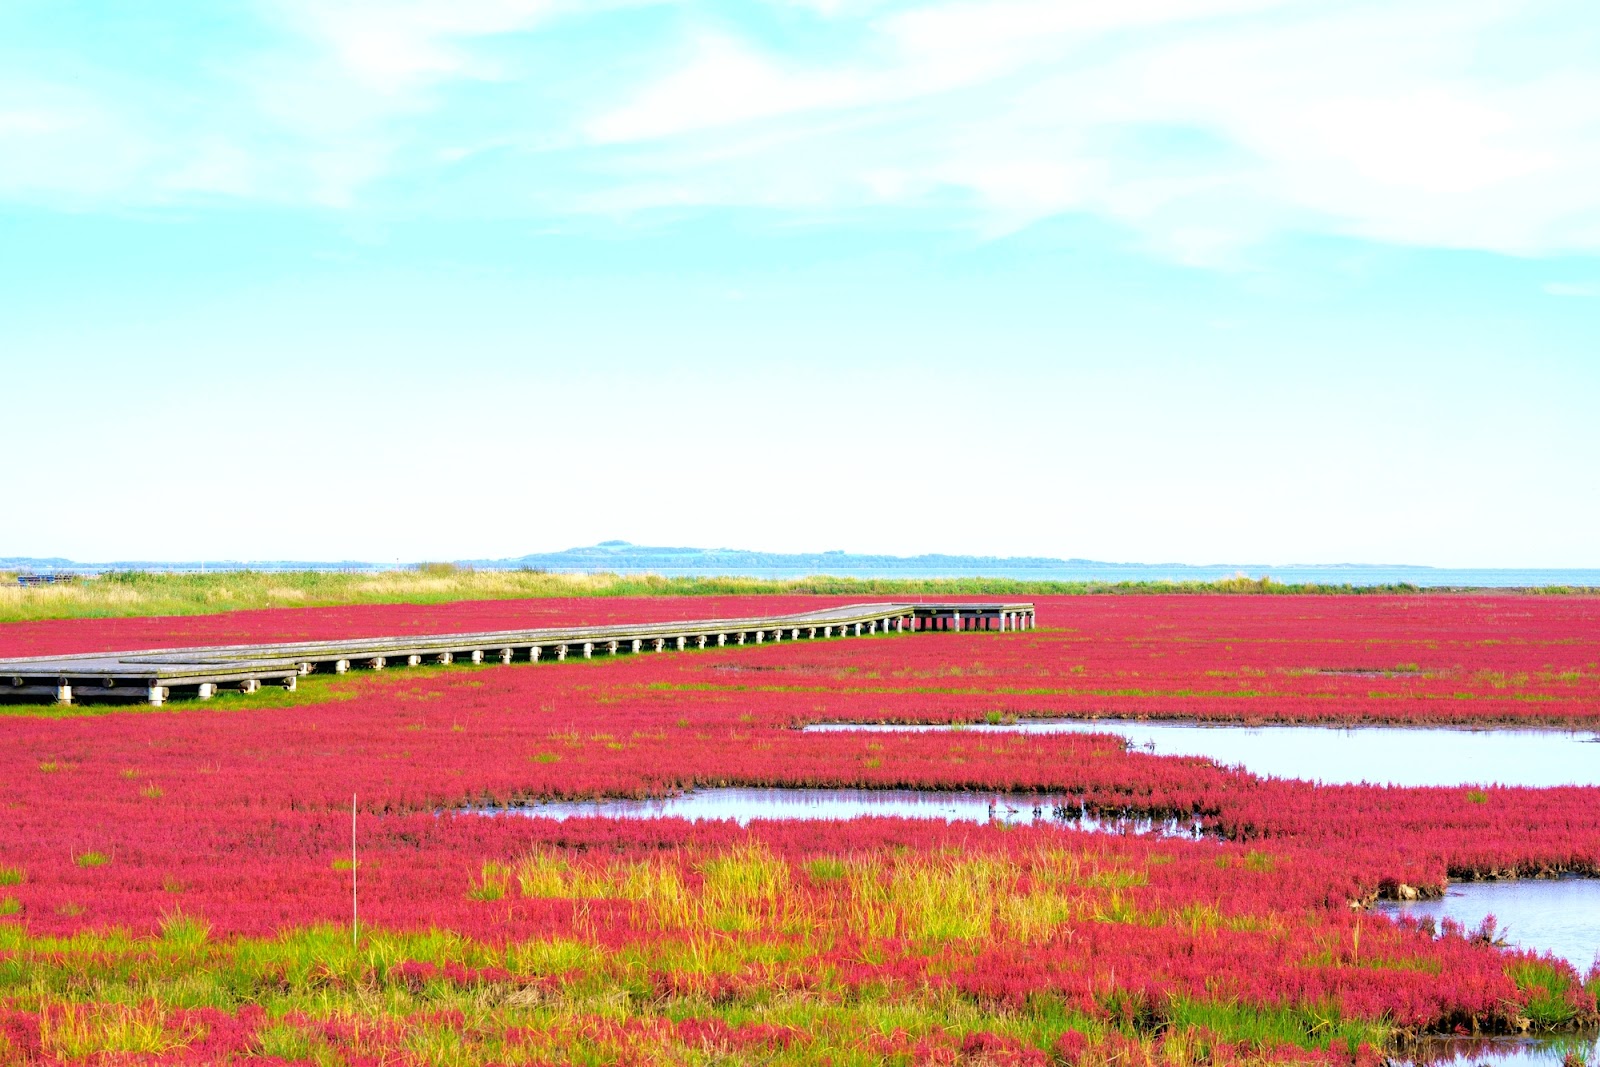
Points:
(157, 675)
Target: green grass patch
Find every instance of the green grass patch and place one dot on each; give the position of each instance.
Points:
(1549, 992)
(138, 593)
(1309, 1026)
(826, 869)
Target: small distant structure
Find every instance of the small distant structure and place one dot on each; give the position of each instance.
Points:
(46, 579)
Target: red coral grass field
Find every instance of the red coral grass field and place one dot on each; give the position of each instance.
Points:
(1458, 658)
(175, 885)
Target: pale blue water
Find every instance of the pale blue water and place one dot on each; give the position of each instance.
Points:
(1393, 755)
(743, 805)
(1507, 1051)
(1556, 915)
(1559, 915)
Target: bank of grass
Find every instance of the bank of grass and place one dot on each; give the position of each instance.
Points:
(693, 948)
(123, 594)
(590, 999)
(322, 1000)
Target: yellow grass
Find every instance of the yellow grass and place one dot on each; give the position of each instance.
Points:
(125, 594)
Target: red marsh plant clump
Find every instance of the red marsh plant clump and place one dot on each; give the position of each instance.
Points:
(175, 885)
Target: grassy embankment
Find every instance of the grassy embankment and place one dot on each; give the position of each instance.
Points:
(135, 593)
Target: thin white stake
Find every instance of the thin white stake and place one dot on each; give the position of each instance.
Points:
(353, 912)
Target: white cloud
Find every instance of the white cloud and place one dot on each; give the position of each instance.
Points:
(1406, 123)
(1573, 288)
(392, 45)
(59, 141)
(1205, 125)
(1027, 27)
(724, 83)
(924, 52)
(311, 116)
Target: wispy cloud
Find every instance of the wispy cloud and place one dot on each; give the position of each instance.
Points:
(1573, 288)
(1205, 125)
(394, 45)
(1374, 121)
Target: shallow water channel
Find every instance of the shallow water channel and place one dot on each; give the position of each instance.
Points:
(1556, 915)
(743, 805)
(1396, 755)
(1559, 915)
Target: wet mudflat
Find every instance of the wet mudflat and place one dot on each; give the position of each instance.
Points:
(1392, 755)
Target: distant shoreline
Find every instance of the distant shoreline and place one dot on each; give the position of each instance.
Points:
(128, 594)
(620, 559)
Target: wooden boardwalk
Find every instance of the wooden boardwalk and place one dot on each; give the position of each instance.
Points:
(158, 675)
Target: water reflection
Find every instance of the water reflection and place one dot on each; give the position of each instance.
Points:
(1504, 1051)
(1397, 755)
(1560, 915)
(743, 805)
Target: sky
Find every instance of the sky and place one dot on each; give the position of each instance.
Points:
(1161, 280)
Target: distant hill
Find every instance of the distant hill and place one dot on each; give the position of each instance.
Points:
(620, 555)
(616, 556)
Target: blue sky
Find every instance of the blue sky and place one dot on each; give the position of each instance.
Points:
(1165, 280)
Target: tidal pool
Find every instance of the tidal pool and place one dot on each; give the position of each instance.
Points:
(743, 805)
(1394, 755)
(1558, 915)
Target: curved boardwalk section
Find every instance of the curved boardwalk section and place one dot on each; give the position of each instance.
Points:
(157, 675)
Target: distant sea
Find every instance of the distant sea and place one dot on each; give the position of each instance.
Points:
(1423, 577)
(684, 563)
